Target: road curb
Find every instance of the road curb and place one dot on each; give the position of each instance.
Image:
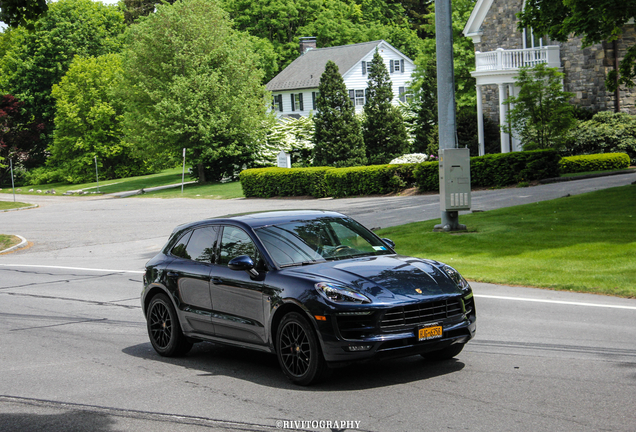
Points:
(20, 208)
(22, 244)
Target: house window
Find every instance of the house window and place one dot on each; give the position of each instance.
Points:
(531, 40)
(396, 66)
(359, 97)
(277, 103)
(297, 102)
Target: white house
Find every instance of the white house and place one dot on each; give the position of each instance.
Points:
(295, 89)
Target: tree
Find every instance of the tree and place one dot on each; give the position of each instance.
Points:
(88, 123)
(594, 20)
(16, 13)
(338, 139)
(133, 9)
(19, 134)
(542, 115)
(383, 126)
(191, 81)
(35, 60)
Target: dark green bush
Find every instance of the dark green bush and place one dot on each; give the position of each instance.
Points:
(597, 162)
(486, 171)
(369, 180)
(269, 182)
(607, 132)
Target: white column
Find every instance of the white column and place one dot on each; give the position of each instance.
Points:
(503, 111)
(516, 144)
(480, 123)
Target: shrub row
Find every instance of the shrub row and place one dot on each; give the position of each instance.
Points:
(486, 171)
(596, 162)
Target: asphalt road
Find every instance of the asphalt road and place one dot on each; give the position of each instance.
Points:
(75, 354)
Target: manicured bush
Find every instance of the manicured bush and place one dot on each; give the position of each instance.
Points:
(486, 171)
(607, 132)
(269, 182)
(369, 180)
(597, 162)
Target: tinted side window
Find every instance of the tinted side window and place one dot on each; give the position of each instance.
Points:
(179, 249)
(202, 244)
(236, 242)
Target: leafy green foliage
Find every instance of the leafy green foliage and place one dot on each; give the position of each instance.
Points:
(606, 132)
(338, 137)
(191, 81)
(16, 13)
(294, 136)
(369, 180)
(542, 115)
(596, 162)
(134, 9)
(36, 60)
(383, 127)
(269, 182)
(19, 135)
(467, 134)
(595, 20)
(88, 123)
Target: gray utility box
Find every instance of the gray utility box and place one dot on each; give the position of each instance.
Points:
(454, 179)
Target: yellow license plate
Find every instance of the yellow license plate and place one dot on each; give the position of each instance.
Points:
(428, 333)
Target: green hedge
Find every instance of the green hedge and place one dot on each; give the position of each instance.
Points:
(269, 182)
(596, 162)
(486, 171)
(369, 180)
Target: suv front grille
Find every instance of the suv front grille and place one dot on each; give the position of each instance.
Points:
(399, 318)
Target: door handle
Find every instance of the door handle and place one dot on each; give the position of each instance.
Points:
(172, 274)
(215, 280)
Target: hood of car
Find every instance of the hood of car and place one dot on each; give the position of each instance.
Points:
(387, 278)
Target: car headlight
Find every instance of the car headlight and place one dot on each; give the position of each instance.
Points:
(456, 277)
(340, 293)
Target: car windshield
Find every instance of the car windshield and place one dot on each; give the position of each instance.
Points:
(317, 240)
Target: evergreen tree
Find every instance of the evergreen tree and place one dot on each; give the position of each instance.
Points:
(384, 131)
(338, 137)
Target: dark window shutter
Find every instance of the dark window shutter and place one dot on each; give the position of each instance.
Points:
(352, 96)
(402, 66)
(300, 101)
(365, 96)
(364, 68)
(391, 66)
(313, 100)
(402, 94)
(293, 102)
(280, 103)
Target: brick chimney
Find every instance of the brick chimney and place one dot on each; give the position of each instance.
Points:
(307, 43)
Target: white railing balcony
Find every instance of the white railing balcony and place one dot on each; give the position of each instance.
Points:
(505, 60)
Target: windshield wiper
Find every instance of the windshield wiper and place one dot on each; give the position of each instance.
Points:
(302, 263)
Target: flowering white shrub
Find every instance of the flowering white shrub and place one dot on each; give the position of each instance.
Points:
(288, 134)
(409, 158)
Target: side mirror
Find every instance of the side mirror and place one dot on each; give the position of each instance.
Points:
(243, 262)
(389, 242)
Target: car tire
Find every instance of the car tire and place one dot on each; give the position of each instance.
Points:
(164, 329)
(298, 350)
(444, 354)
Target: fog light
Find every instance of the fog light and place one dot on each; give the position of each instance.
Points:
(359, 347)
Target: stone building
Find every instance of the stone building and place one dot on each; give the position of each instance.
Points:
(501, 49)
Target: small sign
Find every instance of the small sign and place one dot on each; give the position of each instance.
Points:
(284, 160)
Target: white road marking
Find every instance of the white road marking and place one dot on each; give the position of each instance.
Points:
(476, 295)
(73, 268)
(556, 302)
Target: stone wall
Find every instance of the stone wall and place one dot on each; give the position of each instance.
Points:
(585, 69)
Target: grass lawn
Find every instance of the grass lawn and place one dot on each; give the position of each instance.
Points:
(166, 177)
(6, 241)
(595, 172)
(582, 243)
(209, 191)
(6, 205)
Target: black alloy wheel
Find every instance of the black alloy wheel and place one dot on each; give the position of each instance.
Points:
(444, 354)
(164, 330)
(298, 350)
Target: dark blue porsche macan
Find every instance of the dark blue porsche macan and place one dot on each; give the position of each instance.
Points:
(316, 288)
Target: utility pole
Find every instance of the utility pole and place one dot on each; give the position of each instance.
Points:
(457, 173)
